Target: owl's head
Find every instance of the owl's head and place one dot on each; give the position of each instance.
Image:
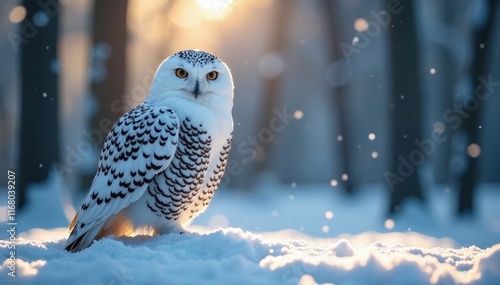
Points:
(193, 75)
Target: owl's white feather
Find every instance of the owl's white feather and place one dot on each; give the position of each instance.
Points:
(162, 161)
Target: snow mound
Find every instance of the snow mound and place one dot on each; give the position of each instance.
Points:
(232, 256)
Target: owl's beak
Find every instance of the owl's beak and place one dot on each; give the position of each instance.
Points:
(196, 90)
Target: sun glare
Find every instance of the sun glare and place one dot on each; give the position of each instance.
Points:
(216, 9)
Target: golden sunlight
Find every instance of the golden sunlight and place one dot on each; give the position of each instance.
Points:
(216, 9)
(182, 14)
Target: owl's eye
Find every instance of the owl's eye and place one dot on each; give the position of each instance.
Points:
(181, 73)
(212, 75)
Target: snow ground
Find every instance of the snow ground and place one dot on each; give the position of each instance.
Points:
(299, 234)
(231, 256)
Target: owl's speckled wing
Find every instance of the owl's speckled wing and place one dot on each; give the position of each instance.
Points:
(140, 145)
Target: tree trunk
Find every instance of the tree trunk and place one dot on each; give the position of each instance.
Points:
(39, 94)
(334, 38)
(404, 181)
(108, 69)
(480, 68)
(109, 58)
(444, 82)
(272, 91)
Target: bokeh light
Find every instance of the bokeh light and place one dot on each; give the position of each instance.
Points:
(344, 177)
(389, 224)
(329, 215)
(474, 150)
(17, 14)
(439, 127)
(218, 221)
(298, 114)
(361, 25)
(271, 64)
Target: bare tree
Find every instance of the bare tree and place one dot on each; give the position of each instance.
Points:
(108, 67)
(108, 57)
(334, 38)
(39, 137)
(446, 38)
(470, 125)
(272, 89)
(404, 108)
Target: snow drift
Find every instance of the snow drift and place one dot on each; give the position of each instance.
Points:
(231, 256)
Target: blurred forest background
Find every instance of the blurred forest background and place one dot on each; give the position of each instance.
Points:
(345, 93)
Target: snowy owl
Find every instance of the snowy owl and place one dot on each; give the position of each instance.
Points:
(162, 161)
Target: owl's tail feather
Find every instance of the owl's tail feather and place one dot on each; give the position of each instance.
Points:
(79, 241)
(75, 245)
(82, 237)
(73, 222)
